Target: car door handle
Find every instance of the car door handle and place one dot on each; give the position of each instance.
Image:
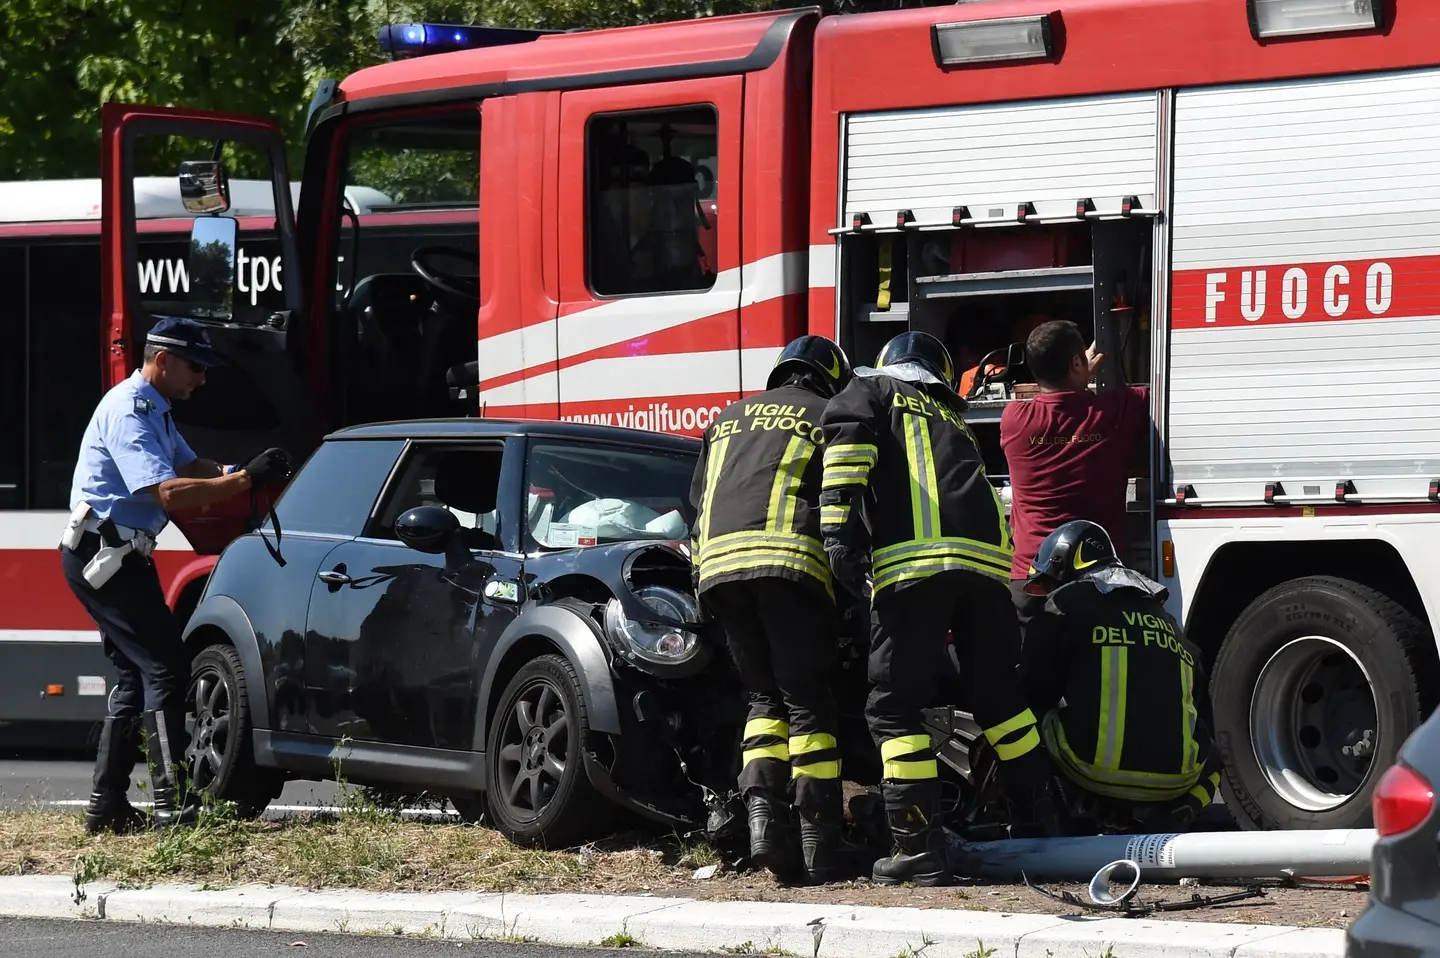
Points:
(334, 578)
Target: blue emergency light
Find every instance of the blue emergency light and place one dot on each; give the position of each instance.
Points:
(404, 40)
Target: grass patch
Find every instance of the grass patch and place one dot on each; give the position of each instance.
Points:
(368, 850)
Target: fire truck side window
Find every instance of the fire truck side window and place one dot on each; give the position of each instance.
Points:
(411, 183)
(652, 201)
(12, 375)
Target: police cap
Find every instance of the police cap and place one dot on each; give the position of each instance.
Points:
(186, 339)
(814, 354)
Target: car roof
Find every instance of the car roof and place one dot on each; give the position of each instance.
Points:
(471, 427)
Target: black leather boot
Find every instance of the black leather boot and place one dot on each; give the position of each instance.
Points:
(772, 841)
(826, 855)
(175, 803)
(919, 854)
(108, 808)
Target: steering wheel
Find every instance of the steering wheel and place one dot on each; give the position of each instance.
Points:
(466, 288)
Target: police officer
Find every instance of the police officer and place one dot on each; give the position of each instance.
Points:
(134, 467)
(1119, 689)
(898, 451)
(761, 572)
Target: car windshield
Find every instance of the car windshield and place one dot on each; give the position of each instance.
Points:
(587, 494)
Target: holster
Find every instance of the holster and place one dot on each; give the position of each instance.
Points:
(75, 527)
(116, 542)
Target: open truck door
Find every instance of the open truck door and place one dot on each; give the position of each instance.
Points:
(238, 276)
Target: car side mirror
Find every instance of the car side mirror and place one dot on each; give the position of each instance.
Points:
(204, 186)
(428, 529)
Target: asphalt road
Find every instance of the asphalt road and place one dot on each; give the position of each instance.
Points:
(25, 781)
(112, 939)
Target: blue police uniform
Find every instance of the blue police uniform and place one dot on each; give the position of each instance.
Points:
(130, 445)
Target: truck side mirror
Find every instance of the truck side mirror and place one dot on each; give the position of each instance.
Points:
(214, 241)
(204, 186)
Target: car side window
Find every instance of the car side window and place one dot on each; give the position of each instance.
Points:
(335, 489)
(464, 479)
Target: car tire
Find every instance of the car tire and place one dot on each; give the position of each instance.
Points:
(535, 797)
(221, 756)
(1308, 669)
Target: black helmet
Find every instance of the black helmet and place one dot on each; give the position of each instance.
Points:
(814, 354)
(922, 349)
(1076, 550)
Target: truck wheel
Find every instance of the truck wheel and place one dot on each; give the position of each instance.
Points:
(1315, 688)
(539, 793)
(221, 756)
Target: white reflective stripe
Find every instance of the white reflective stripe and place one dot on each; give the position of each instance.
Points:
(822, 266)
(641, 377)
(50, 636)
(168, 340)
(613, 322)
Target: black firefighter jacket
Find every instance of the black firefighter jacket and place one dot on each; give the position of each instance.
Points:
(1130, 726)
(914, 466)
(756, 491)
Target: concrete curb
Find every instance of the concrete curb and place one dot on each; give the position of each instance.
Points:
(679, 924)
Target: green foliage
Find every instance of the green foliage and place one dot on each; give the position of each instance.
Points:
(61, 60)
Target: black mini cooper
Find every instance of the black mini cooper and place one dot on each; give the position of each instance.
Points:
(498, 612)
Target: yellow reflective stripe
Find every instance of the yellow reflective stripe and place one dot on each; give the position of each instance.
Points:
(911, 771)
(1214, 780)
(712, 477)
(761, 559)
(904, 572)
(903, 745)
(943, 545)
(848, 464)
(1131, 786)
(835, 515)
(811, 742)
(1009, 751)
(1189, 748)
(786, 487)
(1007, 539)
(851, 454)
(1114, 675)
(756, 727)
(736, 542)
(1015, 723)
(1202, 794)
(882, 296)
(837, 477)
(817, 770)
(924, 486)
(779, 752)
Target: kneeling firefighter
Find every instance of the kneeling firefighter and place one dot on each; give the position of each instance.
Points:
(1119, 688)
(760, 571)
(898, 451)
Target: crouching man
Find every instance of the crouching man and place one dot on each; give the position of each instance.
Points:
(1119, 688)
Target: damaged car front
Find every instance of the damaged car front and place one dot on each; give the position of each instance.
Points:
(608, 535)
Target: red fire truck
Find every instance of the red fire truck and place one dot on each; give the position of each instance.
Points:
(1236, 199)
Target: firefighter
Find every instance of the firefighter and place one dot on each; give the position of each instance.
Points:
(134, 466)
(761, 572)
(1120, 691)
(904, 476)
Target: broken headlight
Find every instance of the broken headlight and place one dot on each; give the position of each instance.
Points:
(651, 641)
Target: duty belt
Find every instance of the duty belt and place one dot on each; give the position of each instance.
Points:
(115, 535)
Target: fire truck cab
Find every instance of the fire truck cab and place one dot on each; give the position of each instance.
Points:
(1235, 201)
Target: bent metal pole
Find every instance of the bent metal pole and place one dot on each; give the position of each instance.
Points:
(1271, 854)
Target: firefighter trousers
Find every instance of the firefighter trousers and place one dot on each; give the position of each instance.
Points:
(908, 630)
(783, 638)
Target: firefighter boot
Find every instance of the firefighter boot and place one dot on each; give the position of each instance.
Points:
(920, 849)
(772, 842)
(108, 808)
(175, 803)
(826, 854)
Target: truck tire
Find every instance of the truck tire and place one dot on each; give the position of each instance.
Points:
(1315, 688)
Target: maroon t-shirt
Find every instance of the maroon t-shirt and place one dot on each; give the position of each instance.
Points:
(1070, 456)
